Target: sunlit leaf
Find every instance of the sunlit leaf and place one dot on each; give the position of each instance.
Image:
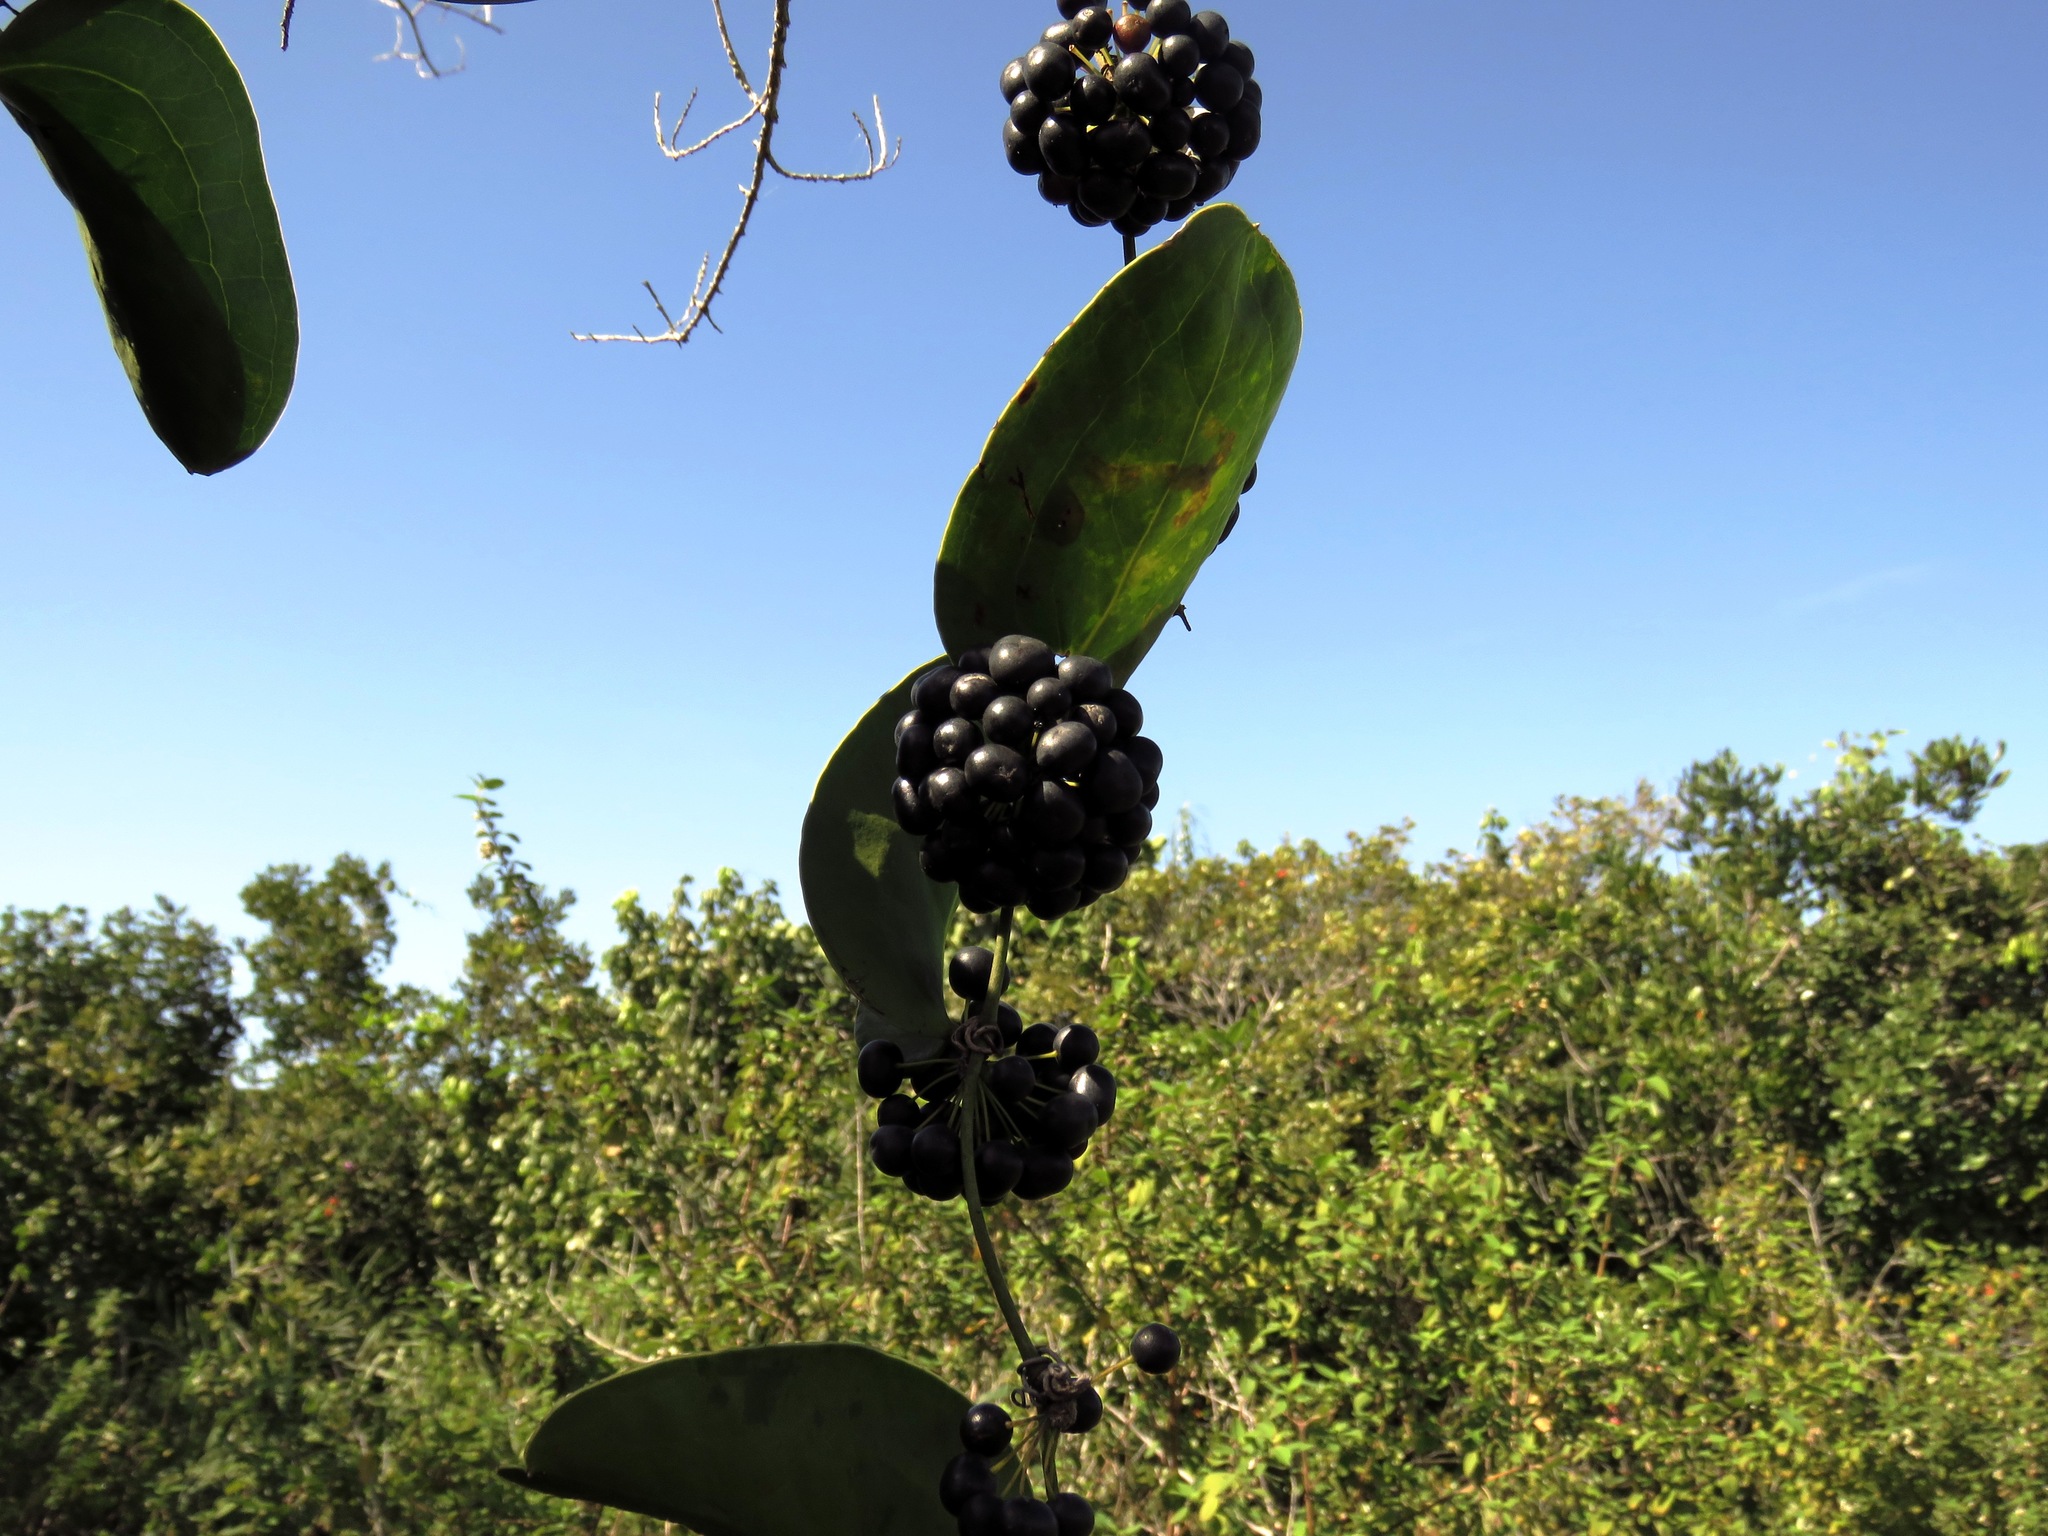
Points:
(1109, 478)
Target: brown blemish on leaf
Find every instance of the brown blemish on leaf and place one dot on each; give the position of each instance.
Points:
(1062, 517)
(1192, 481)
(1030, 388)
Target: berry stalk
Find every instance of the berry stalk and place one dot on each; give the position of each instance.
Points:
(971, 1100)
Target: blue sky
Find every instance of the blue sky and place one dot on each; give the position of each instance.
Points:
(1674, 379)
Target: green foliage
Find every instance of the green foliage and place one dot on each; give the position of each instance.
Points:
(144, 124)
(1665, 1167)
(878, 918)
(1109, 478)
(796, 1439)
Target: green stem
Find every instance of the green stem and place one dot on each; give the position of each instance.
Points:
(984, 1244)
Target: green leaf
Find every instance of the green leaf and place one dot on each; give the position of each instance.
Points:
(1110, 476)
(781, 1440)
(881, 922)
(144, 124)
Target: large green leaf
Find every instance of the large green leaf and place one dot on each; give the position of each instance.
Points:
(144, 124)
(783, 1440)
(1109, 478)
(880, 921)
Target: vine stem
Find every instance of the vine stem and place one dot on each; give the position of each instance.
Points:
(970, 1096)
(1130, 249)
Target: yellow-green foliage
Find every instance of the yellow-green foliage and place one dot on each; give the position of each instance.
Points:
(1674, 1166)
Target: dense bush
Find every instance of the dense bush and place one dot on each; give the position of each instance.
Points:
(1675, 1165)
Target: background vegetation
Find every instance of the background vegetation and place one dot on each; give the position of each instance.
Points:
(1675, 1165)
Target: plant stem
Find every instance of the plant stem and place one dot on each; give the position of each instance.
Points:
(970, 1100)
(1130, 249)
(984, 1244)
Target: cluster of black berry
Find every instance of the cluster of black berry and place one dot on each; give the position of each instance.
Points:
(1027, 777)
(970, 1488)
(1047, 1095)
(1131, 119)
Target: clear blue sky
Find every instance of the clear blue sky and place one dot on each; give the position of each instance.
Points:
(1675, 378)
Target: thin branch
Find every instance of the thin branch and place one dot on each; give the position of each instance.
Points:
(763, 106)
(407, 20)
(604, 1344)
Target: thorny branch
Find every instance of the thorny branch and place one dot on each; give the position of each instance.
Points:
(406, 27)
(764, 107)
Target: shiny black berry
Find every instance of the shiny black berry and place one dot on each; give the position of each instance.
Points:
(1064, 144)
(1088, 680)
(1056, 869)
(1049, 71)
(1170, 175)
(1240, 58)
(1056, 189)
(1093, 28)
(1018, 661)
(985, 1429)
(1076, 1046)
(1066, 750)
(1000, 773)
(1130, 714)
(933, 693)
(1127, 828)
(1112, 784)
(1180, 57)
(966, 1475)
(1119, 146)
(1066, 1122)
(1107, 194)
(972, 693)
(912, 814)
(1208, 136)
(1094, 100)
(1020, 148)
(947, 795)
(1038, 1040)
(954, 741)
(1108, 868)
(1101, 720)
(1209, 29)
(1074, 1514)
(1155, 1349)
(1147, 758)
(1143, 86)
(1014, 79)
(1052, 813)
(935, 1153)
(1008, 721)
(1050, 906)
(969, 971)
(899, 1109)
(1169, 18)
(1218, 87)
(879, 1068)
(1011, 1079)
(1098, 1087)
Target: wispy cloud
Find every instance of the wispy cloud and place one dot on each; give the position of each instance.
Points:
(1858, 588)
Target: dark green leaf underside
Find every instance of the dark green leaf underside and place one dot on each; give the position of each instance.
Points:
(781, 1440)
(1108, 480)
(145, 126)
(880, 921)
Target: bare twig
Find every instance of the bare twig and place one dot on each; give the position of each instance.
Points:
(764, 107)
(406, 23)
(604, 1344)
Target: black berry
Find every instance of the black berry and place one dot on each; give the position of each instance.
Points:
(1064, 144)
(966, 1475)
(1029, 1517)
(1013, 79)
(1107, 194)
(1208, 135)
(1048, 700)
(956, 740)
(1018, 661)
(969, 971)
(946, 793)
(985, 1429)
(935, 1155)
(1056, 189)
(1229, 525)
(1094, 100)
(1027, 112)
(912, 814)
(1093, 29)
(1087, 1410)
(1001, 773)
(1130, 714)
(1129, 827)
(1098, 1087)
(1072, 8)
(1009, 1022)
(1107, 870)
(1119, 146)
(1050, 906)
(1049, 71)
(971, 661)
(1143, 86)
(1060, 35)
(1066, 749)
(1011, 1078)
(1067, 1121)
(1052, 813)
(889, 1149)
(1020, 148)
(1075, 1515)
(1169, 18)
(1168, 176)
(898, 1109)
(982, 1515)
(1209, 29)
(1088, 680)
(1245, 131)
(1008, 721)
(1076, 1046)
(1113, 784)
(879, 1068)
(1146, 757)
(1180, 57)
(1155, 1349)
(933, 693)
(1046, 1172)
(1100, 719)
(1083, 217)
(1239, 58)
(1251, 479)
(998, 1165)
(1057, 869)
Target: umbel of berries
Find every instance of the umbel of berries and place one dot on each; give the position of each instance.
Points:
(1027, 777)
(1046, 1094)
(1135, 118)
